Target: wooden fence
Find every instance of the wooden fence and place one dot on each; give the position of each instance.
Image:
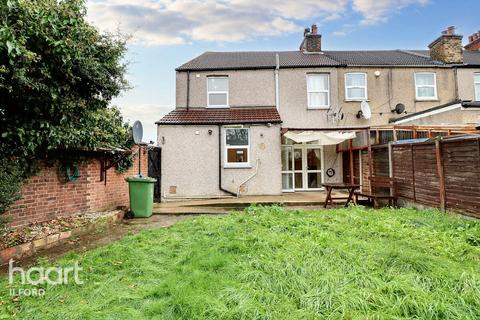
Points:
(444, 173)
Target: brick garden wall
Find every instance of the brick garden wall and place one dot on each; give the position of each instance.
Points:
(47, 196)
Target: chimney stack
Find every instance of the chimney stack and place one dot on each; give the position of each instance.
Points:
(473, 42)
(448, 47)
(312, 41)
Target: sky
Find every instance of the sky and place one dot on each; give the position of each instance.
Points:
(165, 34)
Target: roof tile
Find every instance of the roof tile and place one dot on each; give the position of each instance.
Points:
(298, 59)
(221, 116)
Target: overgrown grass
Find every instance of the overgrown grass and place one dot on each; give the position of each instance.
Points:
(269, 263)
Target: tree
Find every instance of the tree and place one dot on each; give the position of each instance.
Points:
(58, 75)
(56, 72)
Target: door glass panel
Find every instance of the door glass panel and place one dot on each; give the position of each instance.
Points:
(287, 181)
(314, 180)
(297, 157)
(314, 161)
(286, 159)
(298, 180)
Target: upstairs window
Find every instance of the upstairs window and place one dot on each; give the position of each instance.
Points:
(476, 81)
(425, 86)
(318, 91)
(217, 92)
(237, 147)
(356, 86)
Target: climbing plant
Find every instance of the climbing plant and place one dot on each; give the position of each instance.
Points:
(58, 75)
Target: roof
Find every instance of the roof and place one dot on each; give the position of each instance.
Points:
(382, 58)
(297, 59)
(255, 60)
(222, 116)
(470, 58)
(430, 111)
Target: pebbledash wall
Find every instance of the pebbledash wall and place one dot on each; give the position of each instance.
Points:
(47, 196)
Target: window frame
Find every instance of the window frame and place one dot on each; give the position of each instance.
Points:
(231, 165)
(435, 97)
(475, 83)
(327, 106)
(365, 98)
(227, 105)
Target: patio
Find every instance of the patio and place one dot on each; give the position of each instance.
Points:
(309, 200)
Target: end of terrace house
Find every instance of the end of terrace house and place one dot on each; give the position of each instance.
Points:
(265, 123)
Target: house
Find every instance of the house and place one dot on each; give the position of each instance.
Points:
(263, 123)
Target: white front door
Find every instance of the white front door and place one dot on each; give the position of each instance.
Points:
(302, 167)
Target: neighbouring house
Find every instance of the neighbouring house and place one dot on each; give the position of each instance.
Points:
(262, 123)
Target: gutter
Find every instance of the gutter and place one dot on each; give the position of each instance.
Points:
(220, 164)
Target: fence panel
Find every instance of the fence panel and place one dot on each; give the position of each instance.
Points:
(403, 171)
(462, 176)
(426, 176)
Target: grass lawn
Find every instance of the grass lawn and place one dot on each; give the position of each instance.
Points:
(269, 263)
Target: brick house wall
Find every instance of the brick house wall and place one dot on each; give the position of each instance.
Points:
(45, 196)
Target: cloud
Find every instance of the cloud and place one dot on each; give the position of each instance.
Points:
(339, 33)
(378, 11)
(171, 22)
(147, 114)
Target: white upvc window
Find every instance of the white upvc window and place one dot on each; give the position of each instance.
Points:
(217, 92)
(476, 81)
(237, 147)
(356, 86)
(318, 91)
(425, 86)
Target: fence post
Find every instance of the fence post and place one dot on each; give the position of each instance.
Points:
(390, 165)
(441, 176)
(413, 172)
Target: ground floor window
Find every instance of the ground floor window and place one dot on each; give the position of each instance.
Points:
(237, 147)
(302, 167)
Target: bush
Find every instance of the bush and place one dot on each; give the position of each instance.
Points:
(10, 185)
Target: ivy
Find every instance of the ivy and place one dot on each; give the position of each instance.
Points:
(58, 75)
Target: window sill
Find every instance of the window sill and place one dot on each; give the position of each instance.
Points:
(218, 107)
(356, 100)
(237, 166)
(318, 108)
(427, 100)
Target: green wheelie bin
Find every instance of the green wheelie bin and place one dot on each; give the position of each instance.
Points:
(141, 195)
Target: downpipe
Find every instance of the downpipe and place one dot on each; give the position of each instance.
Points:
(250, 177)
(220, 164)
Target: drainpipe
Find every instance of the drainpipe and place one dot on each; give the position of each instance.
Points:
(220, 163)
(277, 67)
(188, 90)
(249, 178)
(455, 74)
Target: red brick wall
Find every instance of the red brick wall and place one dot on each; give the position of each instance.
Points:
(45, 196)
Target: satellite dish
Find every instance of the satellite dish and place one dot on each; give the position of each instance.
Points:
(399, 108)
(137, 132)
(366, 113)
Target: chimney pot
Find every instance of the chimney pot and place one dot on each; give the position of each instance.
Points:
(312, 41)
(451, 30)
(473, 42)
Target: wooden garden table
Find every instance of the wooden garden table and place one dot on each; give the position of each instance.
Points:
(350, 187)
